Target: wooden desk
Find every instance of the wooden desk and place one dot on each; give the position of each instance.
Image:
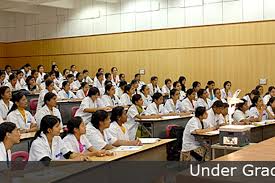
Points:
(157, 127)
(65, 108)
(263, 151)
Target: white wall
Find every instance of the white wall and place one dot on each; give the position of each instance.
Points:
(100, 17)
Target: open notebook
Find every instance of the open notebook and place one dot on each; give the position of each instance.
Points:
(127, 148)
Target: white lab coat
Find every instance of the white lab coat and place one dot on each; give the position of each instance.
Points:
(1, 120)
(72, 145)
(116, 80)
(74, 73)
(16, 118)
(26, 74)
(269, 108)
(239, 115)
(86, 103)
(146, 100)
(171, 107)
(211, 94)
(40, 78)
(107, 101)
(89, 80)
(100, 86)
(224, 95)
(5, 155)
(140, 84)
(42, 94)
(152, 109)
(247, 98)
(95, 137)
(63, 95)
(80, 94)
(182, 95)
(213, 119)
(253, 112)
(166, 90)
(125, 99)
(201, 103)
(215, 99)
(76, 85)
(15, 88)
(266, 99)
(40, 148)
(187, 106)
(189, 142)
(131, 123)
(114, 133)
(153, 90)
(119, 92)
(46, 111)
(4, 109)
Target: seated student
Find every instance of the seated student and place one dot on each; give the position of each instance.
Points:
(248, 97)
(191, 148)
(203, 100)
(210, 89)
(49, 88)
(20, 80)
(271, 93)
(99, 83)
(226, 92)
(271, 108)
(241, 114)
(109, 99)
(177, 85)
(196, 87)
(189, 103)
(2, 79)
(43, 83)
(66, 72)
(117, 132)
(26, 69)
(108, 77)
(225, 113)
(55, 81)
(140, 83)
(157, 107)
(134, 84)
(87, 78)
(218, 96)
(66, 93)
(89, 105)
(153, 86)
(49, 108)
(182, 81)
(12, 83)
(114, 76)
(47, 144)
(167, 87)
(5, 101)
(76, 140)
(7, 72)
(9, 135)
(136, 111)
(73, 70)
(260, 89)
(121, 77)
(58, 74)
(32, 86)
(215, 118)
(258, 109)
(83, 90)
(126, 97)
(40, 69)
(77, 83)
(35, 76)
(145, 94)
(120, 88)
(18, 114)
(70, 79)
(96, 130)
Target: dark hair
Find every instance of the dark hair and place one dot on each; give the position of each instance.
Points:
(136, 75)
(84, 71)
(200, 92)
(28, 80)
(3, 90)
(78, 74)
(209, 83)
(108, 88)
(93, 91)
(64, 83)
(240, 105)
(153, 78)
(47, 122)
(53, 66)
(72, 66)
(122, 83)
(200, 111)
(6, 127)
(255, 100)
(167, 81)
(217, 104)
(135, 98)
(57, 75)
(19, 72)
(74, 123)
(112, 69)
(70, 76)
(107, 75)
(175, 84)
(120, 75)
(7, 66)
(225, 83)
(33, 72)
(127, 88)
(215, 90)
(134, 82)
(83, 84)
(271, 100)
(38, 67)
(12, 76)
(225, 105)
(254, 92)
(173, 92)
(64, 71)
(51, 73)
(46, 76)
(156, 96)
(99, 74)
(258, 87)
(116, 113)
(143, 88)
(189, 92)
(48, 97)
(108, 82)
(98, 70)
(48, 83)
(2, 73)
(195, 84)
(98, 116)
(16, 97)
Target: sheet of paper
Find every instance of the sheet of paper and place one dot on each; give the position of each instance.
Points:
(149, 140)
(128, 148)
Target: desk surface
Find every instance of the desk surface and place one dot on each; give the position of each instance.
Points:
(70, 101)
(263, 151)
(164, 118)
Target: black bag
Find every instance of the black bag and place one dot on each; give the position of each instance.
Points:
(174, 148)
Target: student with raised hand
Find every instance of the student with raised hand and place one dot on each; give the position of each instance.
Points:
(83, 90)
(47, 144)
(9, 136)
(19, 115)
(49, 108)
(248, 97)
(96, 130)
(109, 99)
(76, 140)
(271, 108)
(87, 78)
(260, 89)
(73, 70)
(177, 85)
(258, 109)
(12, 84)
(203, 100)
(182, 81)
(41, 73)
(138, 78)
(5, 101)
(191, 148)
(153, 86)
(269, 94)
(145, 94)
(114, 76)
(189, 103)
(136, 111)
(49, 88)
(167, 87)
(90, 105)
(157, 107)
(218, 96)
(226, 92)
(210, 89)
(66, 93)
(99, 83)
(215, 118)
(32, 86)
(120, 89)
(126, 97)
(241, 114)
(26, 69)
(117, 132)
